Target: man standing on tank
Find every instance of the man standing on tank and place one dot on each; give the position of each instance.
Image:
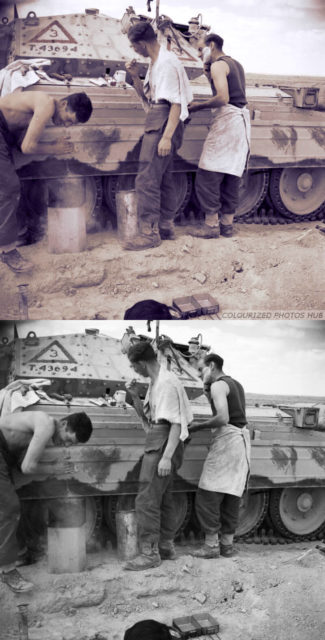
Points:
(165, 94)
(226, 148)
(225, 471)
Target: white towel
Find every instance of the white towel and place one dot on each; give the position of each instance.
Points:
(166, 79)
(21, 74)
(20, 394)
(170, 402)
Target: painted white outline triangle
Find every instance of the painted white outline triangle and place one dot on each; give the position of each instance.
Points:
(67, 36)
(61, 350)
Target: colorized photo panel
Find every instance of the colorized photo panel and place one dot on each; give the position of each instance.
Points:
(157, 153)
(162, 480)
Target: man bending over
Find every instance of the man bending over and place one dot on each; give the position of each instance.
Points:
(28, 432)
(34, 110)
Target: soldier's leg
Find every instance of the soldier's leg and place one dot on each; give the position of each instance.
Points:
(207, 189)
(148, 191)
(229, 515)
(9, 519)
(208, 506)
(147, 507)
(168, 527)
(229, 198)
(168, 210)
(9, 197)
(9, 200)
(168, 189)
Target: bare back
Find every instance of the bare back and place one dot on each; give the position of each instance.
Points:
(19, 107)
(18, 429)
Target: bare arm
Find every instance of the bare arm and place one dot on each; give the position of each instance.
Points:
(165, 142)
(219, 391)
(43, 432)
(133, 69)
(43, 112)
(165, 463)
(137, 404)
(219, 72)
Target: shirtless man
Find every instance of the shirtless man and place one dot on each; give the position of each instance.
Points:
(23, 438)
(32, 110)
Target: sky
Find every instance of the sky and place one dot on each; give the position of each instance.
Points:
(272, 357)
(266, 36)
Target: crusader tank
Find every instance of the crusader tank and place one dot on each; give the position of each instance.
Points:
(285, 180)
(84, 372)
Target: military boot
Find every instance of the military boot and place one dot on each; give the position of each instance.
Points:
(226, 230)
(14, 580)
(15, 261)
(206, 551)
(147, 559)
(228, 550)
(148, 237)
(167, 230)
(167, 550)
(205, 231)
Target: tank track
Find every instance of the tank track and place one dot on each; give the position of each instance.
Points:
(273, 217)
(261, 536)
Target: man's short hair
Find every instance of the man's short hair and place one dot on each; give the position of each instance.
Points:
(81, 105)
(142, 30)
(213, 357)
(148, 630)
(141, 350)
(213, 37)
(81, 425)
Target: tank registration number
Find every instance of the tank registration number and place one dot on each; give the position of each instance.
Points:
(52, 48)
(53, 368)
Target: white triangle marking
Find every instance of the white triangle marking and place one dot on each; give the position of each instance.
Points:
(54, 32)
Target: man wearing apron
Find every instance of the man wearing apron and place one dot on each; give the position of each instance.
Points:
(226, 148)
(165, 415)
(165, 94)
(226, 468)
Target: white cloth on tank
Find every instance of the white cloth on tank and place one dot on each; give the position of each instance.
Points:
(167, 400)
(166, 79)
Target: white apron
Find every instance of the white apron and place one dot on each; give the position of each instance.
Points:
(226, 467)
(226, 148)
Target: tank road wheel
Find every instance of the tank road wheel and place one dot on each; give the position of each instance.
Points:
(252, 191)
(112, 504)
(93, 203)
(253, 508)
(298, 512)
(183, 183)
(298, 192)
